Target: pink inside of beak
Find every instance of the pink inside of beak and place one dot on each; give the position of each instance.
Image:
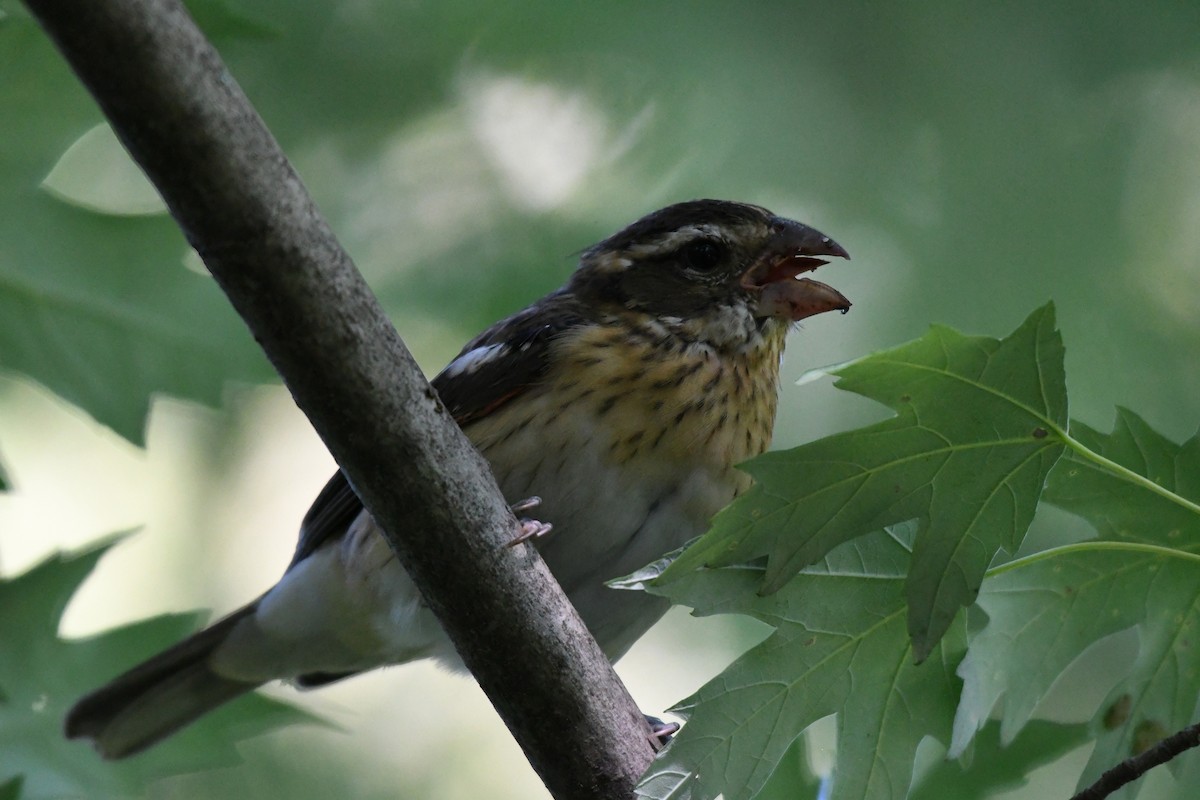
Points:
(787, 269)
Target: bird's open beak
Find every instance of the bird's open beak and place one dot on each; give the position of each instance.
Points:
(775, 276)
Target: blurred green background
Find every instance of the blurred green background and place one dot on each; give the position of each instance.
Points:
(974, 161)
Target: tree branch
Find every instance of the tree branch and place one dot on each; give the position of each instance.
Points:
(184, 119)
(1136, 766)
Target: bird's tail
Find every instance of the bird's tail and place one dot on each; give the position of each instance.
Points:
(159, 696)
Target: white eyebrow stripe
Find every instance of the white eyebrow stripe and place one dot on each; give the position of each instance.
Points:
(669, 242)
(472, 360)
(675, 238)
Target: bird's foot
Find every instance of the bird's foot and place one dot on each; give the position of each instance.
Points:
(660, 731)
(526, 504)
(530, 528)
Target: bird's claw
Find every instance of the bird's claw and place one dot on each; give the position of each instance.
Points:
(530, 528)
(526, 504)
(661, 732)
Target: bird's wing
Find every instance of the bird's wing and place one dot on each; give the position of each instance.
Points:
(506, 359)
(328, 517)
(493, 368)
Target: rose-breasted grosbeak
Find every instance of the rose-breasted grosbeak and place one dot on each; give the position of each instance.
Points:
(624, 399)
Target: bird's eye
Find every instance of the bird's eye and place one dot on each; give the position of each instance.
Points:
(702, 255)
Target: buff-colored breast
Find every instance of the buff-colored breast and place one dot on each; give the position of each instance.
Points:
(666, 398)
(631, 441)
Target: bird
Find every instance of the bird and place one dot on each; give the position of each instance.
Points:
(624, 401)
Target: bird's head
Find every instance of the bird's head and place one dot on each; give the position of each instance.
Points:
(711, 270)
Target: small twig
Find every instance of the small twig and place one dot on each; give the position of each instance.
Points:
(1135, 767)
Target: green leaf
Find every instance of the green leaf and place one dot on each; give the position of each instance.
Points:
(1046, 609)
(220, 20)
(41, 675)
(1163, 513)
(995, 767)
(1133, 484)
(97, 307)
(979, 425)
(792, 779)
(840, 647)
(1041, 616)
(96, 173)
(11, 789)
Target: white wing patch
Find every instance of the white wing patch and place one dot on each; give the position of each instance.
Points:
(471, 361)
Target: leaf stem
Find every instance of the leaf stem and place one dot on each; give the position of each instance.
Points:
(1067, 549)
(1129, 475)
